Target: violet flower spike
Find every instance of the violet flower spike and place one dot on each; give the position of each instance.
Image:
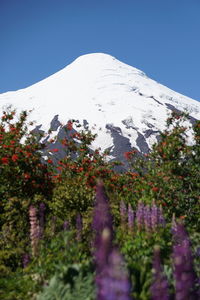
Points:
(154, 216)
(159, 288)
(102, 227)
(101, 217)
(65, 225)
(184, 274)
(79, 226)
(147, 218)
(25, 260)
(114, 284)
(140, 215)
(123, 214)
(161, 219)
(130, 218)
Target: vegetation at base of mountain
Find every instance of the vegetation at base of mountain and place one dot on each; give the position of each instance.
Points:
(77, 228)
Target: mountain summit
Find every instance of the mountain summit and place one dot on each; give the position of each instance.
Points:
(117, 101)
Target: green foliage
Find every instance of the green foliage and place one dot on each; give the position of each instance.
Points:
(137, 248)
(72, 283)
(170, 174)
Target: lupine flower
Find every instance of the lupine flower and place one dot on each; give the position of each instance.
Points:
(147, 218)
(103, 251)
(130, 218)
(42, 208)
(111, 279)
(154, 216)
(184, 274)
(114, 282)
(66, 225)
(79, 226)
(102, 226)
(102, 217)
(161, 219)
(140, 215)
(34, 230)
(123, 213)
(25, 260)
(159, 288)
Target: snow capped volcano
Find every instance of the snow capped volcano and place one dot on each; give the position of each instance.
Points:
(119, 102)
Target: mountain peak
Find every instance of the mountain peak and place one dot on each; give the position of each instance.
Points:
(95, 56)
(118, 102)
(102, 61)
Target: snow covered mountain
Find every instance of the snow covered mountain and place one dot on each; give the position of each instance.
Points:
(117, 101)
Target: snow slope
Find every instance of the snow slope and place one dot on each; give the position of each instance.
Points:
(120, 103)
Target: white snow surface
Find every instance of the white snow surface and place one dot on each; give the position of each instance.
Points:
(102, 90)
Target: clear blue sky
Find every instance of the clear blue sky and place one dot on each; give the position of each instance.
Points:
(160, 37)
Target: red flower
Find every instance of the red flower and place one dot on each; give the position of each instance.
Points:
(64, 142)
(27, 176)
(28, 154)
(80, 169)
(12, 128)
(59, 168)
(128, 155)
(15, 157)
(5, 160)
(69, 125)
(155, 189)
(49, 161)
(54, 150)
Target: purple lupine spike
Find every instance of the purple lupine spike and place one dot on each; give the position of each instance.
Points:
(34, 229)
(154, 216)
(123, 214)
(140, 215)
(130, 218)
(184, 274)
(114, 284)
(25, 260)
(65, 225)
(161, 219)
(79, 226)
(159, 288)
(42, 209)
(147, 218)
(102, 227)
(103, 252)
(101, 217)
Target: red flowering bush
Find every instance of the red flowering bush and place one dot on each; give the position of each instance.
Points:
(77, 175)
(22, 173)
(24, 180)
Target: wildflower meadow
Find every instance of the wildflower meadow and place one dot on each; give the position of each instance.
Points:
(75, 228)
